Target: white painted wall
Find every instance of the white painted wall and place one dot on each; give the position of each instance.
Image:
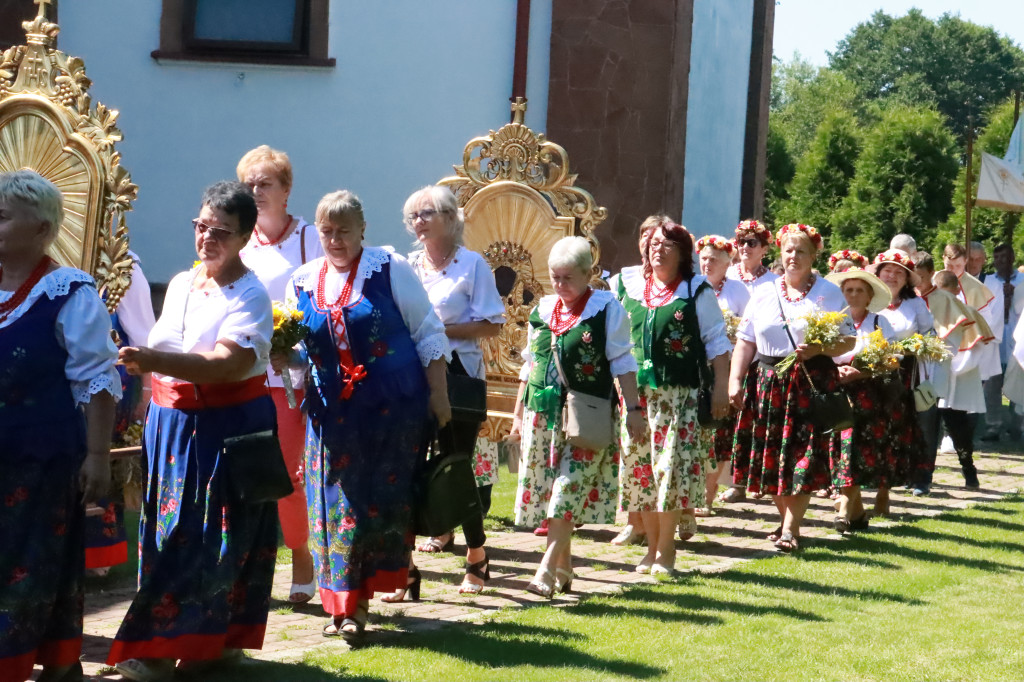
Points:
(716, 115)
(414, 82)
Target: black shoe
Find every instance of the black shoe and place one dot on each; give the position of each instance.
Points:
(971, 479)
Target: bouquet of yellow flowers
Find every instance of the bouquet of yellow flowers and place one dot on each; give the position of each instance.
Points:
(878, 356)
(288, 331)
(822, 329)
(732, 323)
(924, 347)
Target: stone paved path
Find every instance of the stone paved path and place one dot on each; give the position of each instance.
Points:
(736, 533)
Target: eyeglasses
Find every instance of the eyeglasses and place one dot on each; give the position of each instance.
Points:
(215, 233)
(663, 245)
(425, 215)
(750, 242)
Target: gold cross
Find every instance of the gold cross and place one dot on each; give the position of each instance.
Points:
(43, 5)
(518, 110)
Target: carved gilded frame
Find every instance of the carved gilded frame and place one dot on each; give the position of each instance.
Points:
(519, 197)
(48, 124)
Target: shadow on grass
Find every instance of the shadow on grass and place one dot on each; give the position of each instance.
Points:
(252, 670)
(684, 607)
(784, 583)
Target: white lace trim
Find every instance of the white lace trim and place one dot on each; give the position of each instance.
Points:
(372, 260)
(83, 391)
(53, 284)
(634, 283)
(598, 300)
(432, 348)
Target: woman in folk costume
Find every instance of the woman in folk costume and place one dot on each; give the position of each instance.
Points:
(58, 389)
(862, 456)
(578, 342)
(777, 449)
(206, 560)
(676, 326)
(376, 352)
(751, 240)
(907, 314)
(279, 244)
(715, 254)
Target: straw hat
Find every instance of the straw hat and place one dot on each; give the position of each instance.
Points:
(900, 258)
(880, 294)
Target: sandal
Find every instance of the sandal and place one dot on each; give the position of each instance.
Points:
(629, 536)
(563, 581)
(146, 670)
(437, 545)
(481, 569)
(412, 589)
(644, 567)
(787, 543)
(351, 629)
(732, 495)
(300, 594)
(703, 512)
(775, 535)
(687, 527)
(543, 588)
(841, 524)
(658, 569)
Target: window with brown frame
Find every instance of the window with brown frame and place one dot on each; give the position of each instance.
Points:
(247, 31)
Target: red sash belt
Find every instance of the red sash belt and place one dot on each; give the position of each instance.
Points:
(183, 395)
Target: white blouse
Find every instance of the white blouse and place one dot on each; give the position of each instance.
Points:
(733, 273)
(425, 328)
(871, 322)
(709, 314)
(911, 317)
(617, 345)
(194, 321)
(762, 322)
(135, 310)
(734, 297)
(463, 292)
(274, 265)
(82, 329)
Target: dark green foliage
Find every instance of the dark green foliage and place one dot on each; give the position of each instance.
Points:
(779, 172)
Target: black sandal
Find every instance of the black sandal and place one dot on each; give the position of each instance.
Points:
(775, 535)
(841, 524)
(481, 569)
(788, 543)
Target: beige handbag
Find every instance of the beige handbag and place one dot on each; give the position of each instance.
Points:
(924, 393)
(586, 419)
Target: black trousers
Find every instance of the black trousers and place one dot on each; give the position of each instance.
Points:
(464, 435)
(960, 426)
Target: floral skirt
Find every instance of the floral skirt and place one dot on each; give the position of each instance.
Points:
(864, 455)
(41, 564)
(206, 562)
(105, 538)
(776, 450)
(905, 430)
(485, 467)
(666, 470)
(359, 488)
(581, 488)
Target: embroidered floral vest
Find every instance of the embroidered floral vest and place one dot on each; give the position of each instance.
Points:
(380, 342)
(38, 416)
(581, 351)
(666, 340)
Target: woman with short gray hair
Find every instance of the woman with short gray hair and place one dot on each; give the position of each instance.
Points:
(578, 341)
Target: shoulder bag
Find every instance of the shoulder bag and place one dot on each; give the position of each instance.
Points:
(256, 471)
(467, 395)
(586, 419)
(445, 490)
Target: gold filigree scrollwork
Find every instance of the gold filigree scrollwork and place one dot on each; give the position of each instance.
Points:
(48, 123)
(503, 352)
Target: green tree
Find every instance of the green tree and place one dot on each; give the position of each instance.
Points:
(823, 175)
(988, 225)
(903, 182)
(960, 67)
(805, 96)
(779, 169)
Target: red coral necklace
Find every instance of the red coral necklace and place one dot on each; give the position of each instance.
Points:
(351, 373)
(750, 277)
(263, 241)
(657, 298)
(803, 294)
(11, 304)
(560, 326)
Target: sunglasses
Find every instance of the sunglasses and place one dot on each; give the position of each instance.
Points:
(216, 233)
(751, 242)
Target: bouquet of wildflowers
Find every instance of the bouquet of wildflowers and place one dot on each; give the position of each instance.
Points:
(288, 331)
(822, 329)
(732, 323)
(924, 347)
(878, 356)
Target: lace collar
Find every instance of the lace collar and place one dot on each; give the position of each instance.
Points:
(53, 284)
(371, 261)
(595, 304)
(634, 282)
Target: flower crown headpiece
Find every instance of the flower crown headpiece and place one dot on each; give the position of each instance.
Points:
(793, 228)
(895, 256)
(757, 228)
(847, 254)
(715, 242)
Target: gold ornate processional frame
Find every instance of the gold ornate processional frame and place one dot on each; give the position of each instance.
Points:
(519, 198)
(48, 124)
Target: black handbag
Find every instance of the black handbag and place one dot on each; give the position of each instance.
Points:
(256, 472)
(830, 411)
(445, 492)
(467, 395)
(707, 383)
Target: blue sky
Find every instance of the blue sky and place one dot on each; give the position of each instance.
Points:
(814, 27)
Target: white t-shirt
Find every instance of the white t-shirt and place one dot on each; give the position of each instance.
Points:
(274, 265)
(411, 299)
(767, 276)
(763, 324)
(82, 329)
(734, 296)
(464, 291)
(911, 317)
(194, 321)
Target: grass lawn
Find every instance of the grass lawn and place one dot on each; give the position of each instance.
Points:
(939, 599)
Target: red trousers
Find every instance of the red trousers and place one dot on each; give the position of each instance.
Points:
(291, 431)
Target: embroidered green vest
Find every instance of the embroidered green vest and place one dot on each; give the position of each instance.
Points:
(666, 340)
(581, 351)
